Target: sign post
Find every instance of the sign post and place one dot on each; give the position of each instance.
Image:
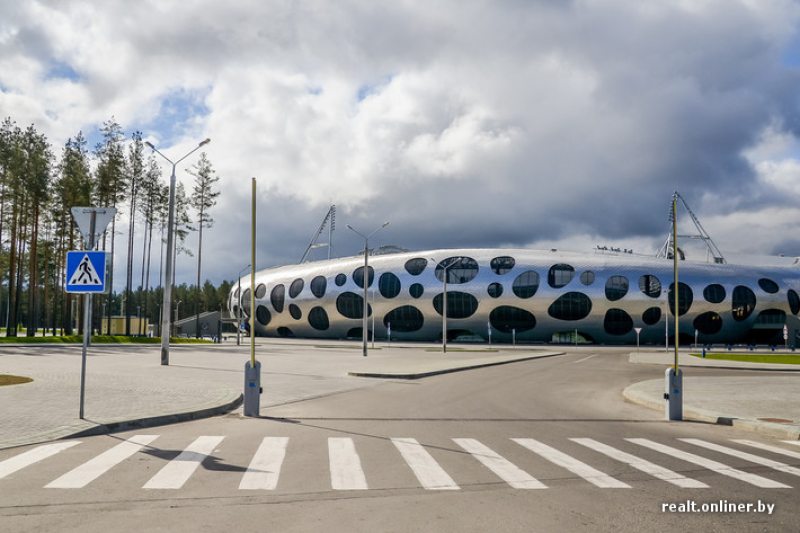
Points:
(638, 331)
(86, 272)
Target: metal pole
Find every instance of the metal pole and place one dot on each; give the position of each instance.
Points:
(675, 272)
(444, 310)
(373, 318)
(253, 277)
(87, 318)
(365, 280)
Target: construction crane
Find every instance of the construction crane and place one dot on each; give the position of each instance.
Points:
(330, 222)
(665, 252)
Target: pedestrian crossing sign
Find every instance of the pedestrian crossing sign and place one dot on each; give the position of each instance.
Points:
(86, 271)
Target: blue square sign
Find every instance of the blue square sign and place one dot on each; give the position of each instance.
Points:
(86, 271)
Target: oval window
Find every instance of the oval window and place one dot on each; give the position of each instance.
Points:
(526, 284)
(296, 288)
(714, 293)
(743, 302)
(340, 280)
(616, 288)
(571, 306)
(559, 275)
(416, 266)
(794, 301)
(358, 277)
(507, 319)
(651, 315)
(389, 285)
(351, 305)
(261, 290)
(318, 319)
(459, 269)
(709, 323)
(650, 285)
(246, 303)
(587, 277)
(459, 304)
(404, 319)
(685, 298)
(295, 312)
(495, 290)
(318, 286)
(617, 322)
(767, 285)
(262, 315)
(416, 290)
(276, 297)
(502, 264)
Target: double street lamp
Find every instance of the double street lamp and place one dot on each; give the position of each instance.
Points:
(167, 303)
(445, 268)
(365, 279)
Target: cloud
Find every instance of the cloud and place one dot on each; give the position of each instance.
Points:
(465, 124)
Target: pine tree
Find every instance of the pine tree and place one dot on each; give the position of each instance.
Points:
(204, 197)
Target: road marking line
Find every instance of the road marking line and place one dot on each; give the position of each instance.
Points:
(640, 464)
(428, 472)
(265, 467)
(346, 471)
(768, 448)
(92, 469)
(585, 358)
(505, 469)
(775, 465)
(179, 470)
(714, 466)
(563, 460)
(18, 462)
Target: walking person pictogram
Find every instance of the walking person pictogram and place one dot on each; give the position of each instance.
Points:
(85, 274)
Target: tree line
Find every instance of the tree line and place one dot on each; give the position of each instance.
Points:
(37, 190)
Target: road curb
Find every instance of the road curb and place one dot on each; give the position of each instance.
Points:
(770, 429)
(160, 420)
(418, 375)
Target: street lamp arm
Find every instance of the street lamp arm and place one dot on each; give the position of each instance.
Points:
(156, 150)
(354, 230)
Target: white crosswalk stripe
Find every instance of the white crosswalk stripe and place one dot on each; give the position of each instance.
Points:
(767, 447)
(345, 465)
(579, 468)
(96, 467)
(716, 466)
(640, 464)
(775, 465)
(428, 472)
(505, 470)
(18, 462)
(179, 470)
(265, 467)
(347, 471)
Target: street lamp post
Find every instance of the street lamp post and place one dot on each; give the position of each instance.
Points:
(167, 303)
(177, 314)
(444, 299)
(365, 279)
(239, 307)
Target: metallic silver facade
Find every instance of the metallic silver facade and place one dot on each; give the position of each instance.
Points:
(696, 275)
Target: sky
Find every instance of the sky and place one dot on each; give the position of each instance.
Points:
(464, 123)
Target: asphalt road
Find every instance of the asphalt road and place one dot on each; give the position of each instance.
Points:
(351, 463)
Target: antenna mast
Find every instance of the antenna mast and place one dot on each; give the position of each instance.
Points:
(665, 252)
(330, 221)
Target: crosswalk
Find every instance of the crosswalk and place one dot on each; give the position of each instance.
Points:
(347, 473)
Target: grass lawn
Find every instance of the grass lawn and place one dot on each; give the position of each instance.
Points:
(101, 339)
(784, 359)
(8, 379)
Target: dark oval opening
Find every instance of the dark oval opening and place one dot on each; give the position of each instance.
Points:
(459, 269)
(526, 284)
(459, 304)
(743, 302)
(296, 288)
(616, 288)
(650, 285)
(502, 264)
(685, 298)
(358, 277)
(404, 319)
(559, 275)
(507, 318)
(617, 322)
(389, 285)
(351, 305)
(651, 316)
(571, 306)
(277, 297)
(416, 266)
(416, 290)
(714, 293)
(318, 286)
(318, 319)
(767, 285)
(708, 323)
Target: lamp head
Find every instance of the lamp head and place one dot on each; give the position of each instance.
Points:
(149, 145)
(205, 142)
